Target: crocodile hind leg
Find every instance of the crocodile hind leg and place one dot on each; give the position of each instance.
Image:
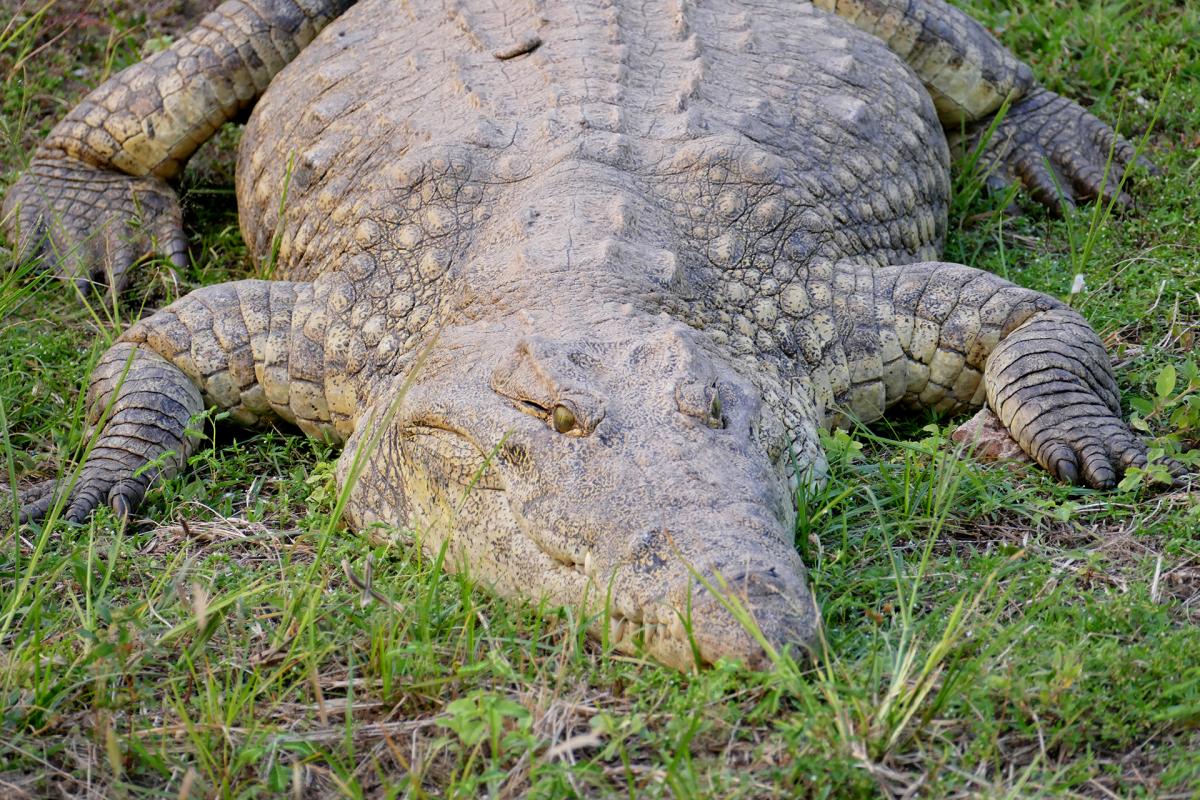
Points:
(950, 337)
(96, 196)
(1053, 146)
(257, 349)
(966, 71)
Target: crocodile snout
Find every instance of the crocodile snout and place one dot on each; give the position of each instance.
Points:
(736, 605)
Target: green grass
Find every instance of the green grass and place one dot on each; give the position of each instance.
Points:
(990, 632)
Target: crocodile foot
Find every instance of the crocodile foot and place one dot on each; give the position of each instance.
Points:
(90, 224)
(1051, 383)
(1060, 152)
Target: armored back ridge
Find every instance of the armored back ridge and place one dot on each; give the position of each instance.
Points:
(712, 113)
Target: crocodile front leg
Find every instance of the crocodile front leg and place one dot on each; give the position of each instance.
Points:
(258, 349)
(950, 337)
(96, 196)
(1053, 146)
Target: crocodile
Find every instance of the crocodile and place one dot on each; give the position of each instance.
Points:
(578, 285)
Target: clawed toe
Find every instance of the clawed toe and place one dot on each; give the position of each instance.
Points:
(1062, 154)
(1180, 477)
(1062, 464)
(126, 496)
(1059, 399)
(37, 500)
(90, 225)
(1098, 471)
(1101, 463)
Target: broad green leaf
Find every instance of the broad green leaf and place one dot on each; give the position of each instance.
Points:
(1142, 406)
(1165, 383)
(1131, 481)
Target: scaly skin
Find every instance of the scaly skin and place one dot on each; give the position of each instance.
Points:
(580, 285)
(1058, 151)
(96, 197)
(967, 72)
(966, 335)
(1051, 145)
(258, 349)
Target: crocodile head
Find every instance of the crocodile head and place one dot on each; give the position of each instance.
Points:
(624, 469)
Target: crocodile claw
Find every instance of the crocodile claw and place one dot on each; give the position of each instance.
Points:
(89, 491)
(92, 225)
(36, 501)
(1060, 152)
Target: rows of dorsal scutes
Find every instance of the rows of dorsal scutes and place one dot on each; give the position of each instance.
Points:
(704, 161)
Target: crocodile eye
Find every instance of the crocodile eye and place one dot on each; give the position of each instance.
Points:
(564, 419)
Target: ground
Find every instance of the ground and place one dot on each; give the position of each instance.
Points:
(989, 632)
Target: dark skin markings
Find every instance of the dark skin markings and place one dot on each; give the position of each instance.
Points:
(516, 455)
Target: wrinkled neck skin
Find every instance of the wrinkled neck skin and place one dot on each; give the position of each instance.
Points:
(568, 438)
